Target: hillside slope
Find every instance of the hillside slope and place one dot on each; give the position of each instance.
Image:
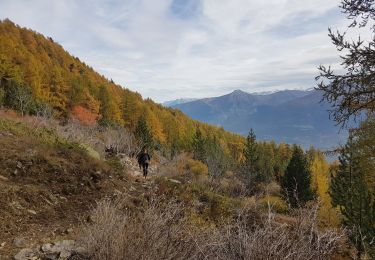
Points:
(37, 64)
(49, 185)
(56, 196)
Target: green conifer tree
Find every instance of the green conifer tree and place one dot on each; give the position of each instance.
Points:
(143, 134)
(199, 149)
(251, 151)
(296, 181)
(251, 154)
(350, 193)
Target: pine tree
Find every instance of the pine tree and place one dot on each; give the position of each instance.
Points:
(251, 154)
(351, 194)
(297, 179)
(199, 149)
(251, 151)
(143, 133)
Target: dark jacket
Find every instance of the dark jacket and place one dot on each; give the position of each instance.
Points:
(143, 158)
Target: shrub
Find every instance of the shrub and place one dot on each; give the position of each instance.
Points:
(197, 168)
(272, 240)
(84, 115)
(276, 203)
(20, 128)
(156, 233)
(161, 231)
(231, 187)
(116, 138)
(18, 97)
(91, 152)
(115, 163)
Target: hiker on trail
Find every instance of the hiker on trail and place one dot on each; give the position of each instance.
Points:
(143, 161)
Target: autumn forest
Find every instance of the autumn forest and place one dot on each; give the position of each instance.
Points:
(70, 141)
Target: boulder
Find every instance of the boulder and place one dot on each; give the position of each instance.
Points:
(60, 250)
(174, 181)
(26, 254)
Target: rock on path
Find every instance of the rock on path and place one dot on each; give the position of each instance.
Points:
(60, 250)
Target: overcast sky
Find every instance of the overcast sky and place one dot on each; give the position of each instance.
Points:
(168, 49)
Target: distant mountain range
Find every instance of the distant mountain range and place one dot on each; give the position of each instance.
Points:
(291, 116)
(178, 102)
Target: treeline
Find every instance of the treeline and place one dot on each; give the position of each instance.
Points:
(303, 176)
(37, 76)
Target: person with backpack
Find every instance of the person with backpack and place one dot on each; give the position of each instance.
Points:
(143, 161)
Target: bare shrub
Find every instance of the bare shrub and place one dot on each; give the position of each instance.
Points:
(270, 239)
(156, 233)
(74, 131)
(232, 187)
(116, 138)
(103, 238)
(160, 232)
(120, 140)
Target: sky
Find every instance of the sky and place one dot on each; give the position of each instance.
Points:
(169, 49)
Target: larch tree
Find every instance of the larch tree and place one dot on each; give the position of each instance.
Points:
(352, 92)
(105, 106)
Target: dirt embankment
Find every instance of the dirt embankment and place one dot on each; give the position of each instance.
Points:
(46, 191)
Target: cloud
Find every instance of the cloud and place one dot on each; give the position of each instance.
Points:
(169, 49)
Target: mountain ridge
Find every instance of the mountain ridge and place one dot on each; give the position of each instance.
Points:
(292, 116)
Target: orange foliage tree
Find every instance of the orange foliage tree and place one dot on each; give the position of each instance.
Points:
(84, 115)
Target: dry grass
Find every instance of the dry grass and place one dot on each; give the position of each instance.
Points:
(156, 233)
(161, 232)
(272, 240)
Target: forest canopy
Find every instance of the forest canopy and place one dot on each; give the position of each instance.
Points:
(37, 73)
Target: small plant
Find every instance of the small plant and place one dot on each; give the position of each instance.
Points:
(115, 163)
(197, 168)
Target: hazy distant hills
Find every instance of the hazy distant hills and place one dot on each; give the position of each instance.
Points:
(178, 101)
(291, 116)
